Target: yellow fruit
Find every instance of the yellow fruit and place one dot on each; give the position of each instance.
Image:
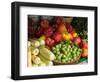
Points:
(66, 36)
(62, 28)
(85, 51)
(75, 35)
(42, 37)
(70, 36)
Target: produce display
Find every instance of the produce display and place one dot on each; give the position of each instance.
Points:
(38, 54)
(66, 52)
(55, 40)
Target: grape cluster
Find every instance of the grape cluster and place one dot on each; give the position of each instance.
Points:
(66, 52)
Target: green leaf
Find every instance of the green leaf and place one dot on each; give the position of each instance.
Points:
(82, 59)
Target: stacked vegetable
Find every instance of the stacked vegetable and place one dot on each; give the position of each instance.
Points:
(66, 52)
(38, 54)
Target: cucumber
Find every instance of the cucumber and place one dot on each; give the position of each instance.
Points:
(46, 53)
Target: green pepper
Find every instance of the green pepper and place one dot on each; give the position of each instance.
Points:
(82, 59)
